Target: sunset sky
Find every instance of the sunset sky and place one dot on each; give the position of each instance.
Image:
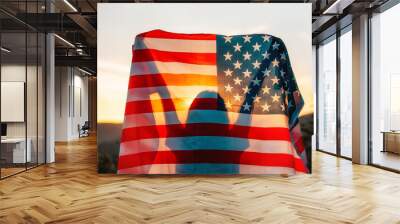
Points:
(115, 40)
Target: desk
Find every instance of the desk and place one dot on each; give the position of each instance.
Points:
(391, 141)
(17, 150)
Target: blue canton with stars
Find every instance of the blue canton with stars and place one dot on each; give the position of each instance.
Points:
(255, 76)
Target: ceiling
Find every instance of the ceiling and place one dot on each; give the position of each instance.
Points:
(75, 21)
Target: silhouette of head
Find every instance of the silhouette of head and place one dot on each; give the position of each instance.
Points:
(206, 101)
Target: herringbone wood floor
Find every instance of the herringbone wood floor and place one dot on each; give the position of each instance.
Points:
(71, 191)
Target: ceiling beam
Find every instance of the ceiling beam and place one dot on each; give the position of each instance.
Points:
(82, 61)
(88, 29)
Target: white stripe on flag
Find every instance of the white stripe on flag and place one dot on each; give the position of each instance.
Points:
(169, 92)
(176, 45)
(208, 116)
(157, 67)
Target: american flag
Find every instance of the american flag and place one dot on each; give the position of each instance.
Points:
(211, 104)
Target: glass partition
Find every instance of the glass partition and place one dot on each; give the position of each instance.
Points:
(32, 96)
(327, 96)
(346, 93)
(22, 77)
(13, 95)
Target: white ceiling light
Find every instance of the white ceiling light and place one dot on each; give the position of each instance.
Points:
(70, 5)
(84, 71)
(5, 50)
(337, 7)
(64, 40)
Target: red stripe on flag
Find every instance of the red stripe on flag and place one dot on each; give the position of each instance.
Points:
(166, 56)
(169, 35)
(297, 138)
(299, 144)
(165, 105)
(211, 156)
(204, 129)
(150, 80)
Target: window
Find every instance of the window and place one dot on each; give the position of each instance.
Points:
(385, 89)
(346, 93)
(327, 96)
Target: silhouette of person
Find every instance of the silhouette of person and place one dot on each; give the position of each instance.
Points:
(189, 150)
(192, 152)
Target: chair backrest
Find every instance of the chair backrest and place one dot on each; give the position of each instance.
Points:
(86, 124)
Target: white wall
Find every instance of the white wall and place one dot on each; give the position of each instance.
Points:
(13, 73)
(71, 102)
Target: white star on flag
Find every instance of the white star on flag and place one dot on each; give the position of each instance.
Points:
(228, 39)
(237, 97)
(275, 63)
(228, 72)
(246, 38)
(228, 104)
(246, 90)
(228, 56)
(256, 47)
(228, 88)
(275, 81)
(247, 73)
(275, 98)
(256, 81)
(266, 89)
(266, 72)
(265, 107)
(266, 38)
(275, 46)
(237, 81)
(246, 106)
(237, 64)
(237, 47)
(256, 64)
(256, 98)
(246, 56)
(266, 55)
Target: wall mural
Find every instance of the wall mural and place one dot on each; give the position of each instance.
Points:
(200, 103)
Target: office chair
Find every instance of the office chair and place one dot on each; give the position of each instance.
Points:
(84, 130)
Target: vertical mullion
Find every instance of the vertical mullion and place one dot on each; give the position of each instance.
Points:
(45, 86)
(338, 73)
(73, 92)
(317, 96)
(369, 96)
(69, 91)
(26, 86)
(37, 89)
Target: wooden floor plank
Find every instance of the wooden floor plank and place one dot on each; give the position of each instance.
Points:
(71, 191)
